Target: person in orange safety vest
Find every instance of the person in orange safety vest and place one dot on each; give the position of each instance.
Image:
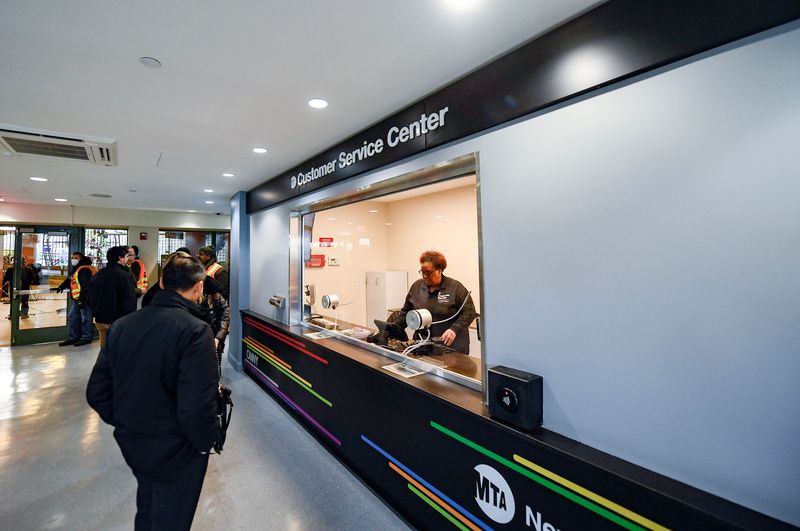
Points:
(214, 269)
(139, 271)
(79, 318)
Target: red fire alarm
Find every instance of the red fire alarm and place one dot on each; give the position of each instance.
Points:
(142, 235)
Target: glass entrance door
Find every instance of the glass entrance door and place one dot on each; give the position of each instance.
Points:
(38, 313)
(7, 238)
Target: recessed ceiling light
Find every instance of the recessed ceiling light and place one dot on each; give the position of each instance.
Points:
(209, 202)
(39, 179)
(152, 62)
(227, 175)
(259, 150)
(317, 103)
(208, 190)
(1, 199)
(331, 219)
(60, 200)
(439, 217)
(388, 224)
(462, 5)
(192, 211)
(373, 211)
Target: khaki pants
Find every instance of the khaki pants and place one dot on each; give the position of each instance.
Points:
(102, 329)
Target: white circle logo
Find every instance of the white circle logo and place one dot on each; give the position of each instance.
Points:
(294, 181)
(493, 494)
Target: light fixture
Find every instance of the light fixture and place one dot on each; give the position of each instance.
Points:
(388, 224)
(208, 190)
(101, 196)
(152, 62)
(228, 175)
(330, 301)
(259, 150)
(209, 202)
(60, 200)
(317, 103)
(331, 219)
(416, 319)
(2, 200)
(373, 211)
(461, 5)
(39, 179)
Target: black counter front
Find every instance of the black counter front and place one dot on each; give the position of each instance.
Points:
(428, 448)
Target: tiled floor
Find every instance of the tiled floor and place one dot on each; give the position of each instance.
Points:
(61, 469)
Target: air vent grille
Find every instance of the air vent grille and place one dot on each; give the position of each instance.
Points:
(33, 147)
(24, 141)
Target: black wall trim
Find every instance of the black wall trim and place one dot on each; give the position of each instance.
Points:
(620, 39)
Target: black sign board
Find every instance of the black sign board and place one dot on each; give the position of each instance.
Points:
(618, 39)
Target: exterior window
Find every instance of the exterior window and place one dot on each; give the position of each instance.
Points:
(98, 241)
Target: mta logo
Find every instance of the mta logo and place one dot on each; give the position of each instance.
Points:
(493, 494)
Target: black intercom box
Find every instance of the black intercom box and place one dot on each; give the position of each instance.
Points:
(516, 397)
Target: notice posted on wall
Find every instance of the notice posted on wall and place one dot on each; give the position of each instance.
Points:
(403, 369)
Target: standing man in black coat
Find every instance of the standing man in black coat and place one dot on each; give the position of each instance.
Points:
(113, 291)
(155, 381)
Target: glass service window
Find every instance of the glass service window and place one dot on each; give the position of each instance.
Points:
(362, 265)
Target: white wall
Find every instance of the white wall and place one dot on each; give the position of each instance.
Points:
(641, 251)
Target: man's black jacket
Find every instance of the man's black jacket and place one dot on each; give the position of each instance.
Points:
(155, 381)
(113, 293)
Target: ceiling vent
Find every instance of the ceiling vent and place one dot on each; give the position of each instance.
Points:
(24, 141)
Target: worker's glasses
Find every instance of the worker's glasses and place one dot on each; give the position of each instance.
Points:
(427, 274)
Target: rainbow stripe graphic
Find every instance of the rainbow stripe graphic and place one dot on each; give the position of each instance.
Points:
(560, 485)
(439, 501)
(266, 354)
(292, 342)
(269, 383)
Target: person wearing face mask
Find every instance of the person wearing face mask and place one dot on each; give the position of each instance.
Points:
(79, 318)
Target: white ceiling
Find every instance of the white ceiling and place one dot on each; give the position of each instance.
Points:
(235, 75)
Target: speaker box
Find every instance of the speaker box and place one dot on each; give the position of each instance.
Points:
(515, 397)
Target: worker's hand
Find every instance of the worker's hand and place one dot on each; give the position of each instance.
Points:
(448, 336)
(216, 344)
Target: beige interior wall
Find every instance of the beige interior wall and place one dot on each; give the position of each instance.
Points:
(447, 222)
(392, 239)
(360, 245)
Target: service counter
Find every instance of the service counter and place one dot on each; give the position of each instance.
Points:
(427, 446)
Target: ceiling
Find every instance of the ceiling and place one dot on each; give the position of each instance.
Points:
(234, 75)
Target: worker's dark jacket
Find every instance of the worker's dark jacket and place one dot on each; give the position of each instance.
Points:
(113, 293)
(155, 381)
(443, 304)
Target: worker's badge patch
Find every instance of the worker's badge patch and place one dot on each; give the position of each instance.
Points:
(443, 298)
